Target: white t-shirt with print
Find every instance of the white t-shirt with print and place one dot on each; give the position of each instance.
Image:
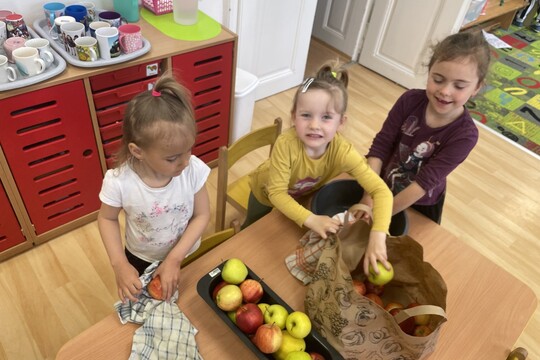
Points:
(155, 217)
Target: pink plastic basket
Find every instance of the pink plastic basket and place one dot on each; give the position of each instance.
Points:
(159, 7)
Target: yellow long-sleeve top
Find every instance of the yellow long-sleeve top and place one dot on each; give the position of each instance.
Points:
(290, 173)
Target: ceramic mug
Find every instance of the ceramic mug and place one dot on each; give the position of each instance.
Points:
(28, 61)
(87, 48)
(7, 73)
(90, 10)
(55, 31)
(44, 49)
(16, 26)
(71, 31)
(97, 25)
(109, 46)
(80, 14)
(11, 44)
(52, 11)
(112, 17)
(130, 38)
(3, 32)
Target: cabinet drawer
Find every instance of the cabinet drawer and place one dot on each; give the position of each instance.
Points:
(121, 94)
(111, 114)
(125, 76)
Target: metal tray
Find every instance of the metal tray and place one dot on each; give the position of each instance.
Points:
(41, 27)
(56, 68)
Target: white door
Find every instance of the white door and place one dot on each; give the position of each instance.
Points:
(400, 33)
(342, 23)
(273, 41)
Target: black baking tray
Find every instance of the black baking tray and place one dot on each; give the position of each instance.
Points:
(314, 341)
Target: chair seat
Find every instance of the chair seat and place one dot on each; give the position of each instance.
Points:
(238, 191)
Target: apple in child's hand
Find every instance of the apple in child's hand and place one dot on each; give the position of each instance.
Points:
(229, 297)
(268, 338)
(383, 277)
(316, 356)
(359, 287)
(374, 289)
(252, 290)
(234, 271)
(248, 318)
(419, 319)
(154, 288)
(422, 330)
(298, 355)
(298, 324)
(276, 314)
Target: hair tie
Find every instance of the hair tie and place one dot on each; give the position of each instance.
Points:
(156, 93)
(306, 83)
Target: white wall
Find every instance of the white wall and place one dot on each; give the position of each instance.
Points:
(32, 9)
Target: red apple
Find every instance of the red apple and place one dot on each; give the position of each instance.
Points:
(408, 325)
(374, 289)
(422, 330)
(248, 318)
(393, 305)
(217, 287)
(419, 319)
(268, 338)
(316, 356)
(359, 286)
(375, 298)
(154, 288)
(252, 290)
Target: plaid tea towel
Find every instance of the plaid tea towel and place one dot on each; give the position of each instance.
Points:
(303, 263)
(166, 332)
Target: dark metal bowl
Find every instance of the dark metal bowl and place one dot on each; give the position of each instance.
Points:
(338, 196)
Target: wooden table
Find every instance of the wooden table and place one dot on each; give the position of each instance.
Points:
(487, 307)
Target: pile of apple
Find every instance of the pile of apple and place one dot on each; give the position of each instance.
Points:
(373, 289)
(269, 326)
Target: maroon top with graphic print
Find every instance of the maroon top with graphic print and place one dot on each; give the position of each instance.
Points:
(412, 151)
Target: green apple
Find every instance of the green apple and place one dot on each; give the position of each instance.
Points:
(234, 271)
(263, 307)
(383, 277)
(289, 344)
(276, 314)
(298, 355)
(229, 297)
(232, 315)
(298, 324)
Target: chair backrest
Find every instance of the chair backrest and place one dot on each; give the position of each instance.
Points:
(211, 241)
(228, 156)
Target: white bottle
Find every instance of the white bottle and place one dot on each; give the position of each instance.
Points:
(185, 11)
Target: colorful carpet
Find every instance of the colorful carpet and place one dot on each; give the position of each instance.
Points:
(510, 102)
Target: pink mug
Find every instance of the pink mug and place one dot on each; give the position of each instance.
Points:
(130, 38)
(11, 44)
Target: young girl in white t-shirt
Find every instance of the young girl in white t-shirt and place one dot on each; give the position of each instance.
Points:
(160, 186)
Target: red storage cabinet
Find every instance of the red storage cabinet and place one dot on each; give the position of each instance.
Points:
(10, 229)
(207, 73)
(48, 141)
(111, 92)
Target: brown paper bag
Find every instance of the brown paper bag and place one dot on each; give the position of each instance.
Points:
(357, 327)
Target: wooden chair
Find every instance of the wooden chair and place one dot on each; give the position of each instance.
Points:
(211, 241)
(237, 193)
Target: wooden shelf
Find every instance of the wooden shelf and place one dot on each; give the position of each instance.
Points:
(497, 15)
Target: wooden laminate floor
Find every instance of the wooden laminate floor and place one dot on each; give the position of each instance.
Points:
(53, 292)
